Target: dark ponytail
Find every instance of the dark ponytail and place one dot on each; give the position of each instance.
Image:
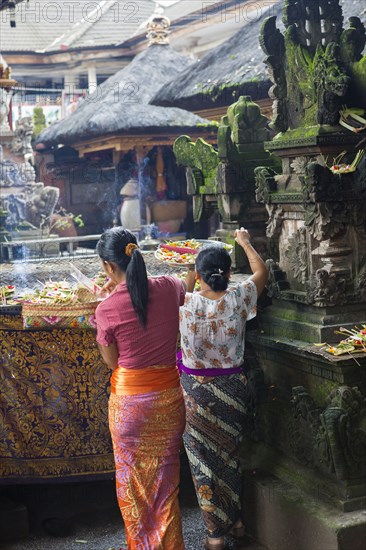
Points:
(213, 263)
(112, 247)
(137, 285)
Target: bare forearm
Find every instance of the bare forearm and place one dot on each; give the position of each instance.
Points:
(190, 280)
(109, 355)
(255, 261)
(257, 265)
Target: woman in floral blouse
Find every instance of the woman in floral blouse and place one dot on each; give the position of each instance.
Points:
(212, 326)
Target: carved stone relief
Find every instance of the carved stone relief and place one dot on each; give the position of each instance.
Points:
(297, 254)
(22, 141)
(333, 439)
(276, 215)
(326, 288)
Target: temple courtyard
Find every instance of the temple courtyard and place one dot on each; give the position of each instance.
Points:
(86, 517)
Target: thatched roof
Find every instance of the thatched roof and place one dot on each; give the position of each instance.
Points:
(112, 119)
(69, 25)
(120, 104)
(232, 69)
(228, 71)
(6, 4)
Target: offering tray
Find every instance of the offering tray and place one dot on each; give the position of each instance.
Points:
(182, 253)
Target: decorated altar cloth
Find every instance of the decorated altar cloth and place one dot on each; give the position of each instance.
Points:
(54, 388)
(54, 392)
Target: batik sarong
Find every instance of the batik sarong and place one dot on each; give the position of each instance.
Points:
(146, 430)
(215, 414)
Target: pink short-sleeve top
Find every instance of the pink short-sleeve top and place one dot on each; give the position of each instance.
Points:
(139, 347)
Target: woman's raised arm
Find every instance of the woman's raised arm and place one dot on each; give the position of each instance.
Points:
(257, 265)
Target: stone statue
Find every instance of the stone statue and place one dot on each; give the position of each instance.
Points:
(40, 203)
(331, 83)
(307, 63)
(243, 123)
(5, 97)
(22, 141)
(12, 174)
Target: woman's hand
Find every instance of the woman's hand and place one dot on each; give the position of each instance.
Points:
(108, 288)
(257, 265)
(242, 236)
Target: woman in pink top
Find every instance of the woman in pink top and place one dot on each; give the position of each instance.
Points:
(137, 328)
(212, 326)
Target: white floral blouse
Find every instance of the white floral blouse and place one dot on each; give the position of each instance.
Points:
(213, 331)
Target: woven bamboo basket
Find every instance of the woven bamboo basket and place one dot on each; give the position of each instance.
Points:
(41, 316)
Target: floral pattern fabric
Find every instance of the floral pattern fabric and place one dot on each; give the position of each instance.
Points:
(215, 416)
(146, 433)
(213, 331)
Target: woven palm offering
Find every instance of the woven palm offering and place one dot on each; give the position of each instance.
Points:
(183, 253)
(59, 304)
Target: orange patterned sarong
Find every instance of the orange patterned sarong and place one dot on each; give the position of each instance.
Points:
(146, 430)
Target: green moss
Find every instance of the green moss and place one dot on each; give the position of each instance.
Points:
(213, 123)
(358, 74)
(321, 390)
(305, 132)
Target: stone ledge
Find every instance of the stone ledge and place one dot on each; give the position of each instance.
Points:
(282, 517)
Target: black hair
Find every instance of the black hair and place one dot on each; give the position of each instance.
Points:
(111, 248)
(213, 263)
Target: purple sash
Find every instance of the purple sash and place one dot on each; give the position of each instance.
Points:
(205, 372)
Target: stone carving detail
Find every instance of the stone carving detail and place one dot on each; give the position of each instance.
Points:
(305, 429)
(299, 164)
(13, 174)
(199, 156)
(22, 141)
(306, 63)
(297, 254)
(40, 202)
(224, 181)
(361, 285)
(331, 84)
(326, 288)
(34, 206)
(243, 123)
(318, 183)
(333, 439)
(5, 97)
(344, 420)
(308, 18)
(265, 183)
(276, 215)
(276, 280)
(273, 45)
(323, 221)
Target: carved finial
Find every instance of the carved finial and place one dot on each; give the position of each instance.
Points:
(5, 74)
(158, 27)
(314, 22)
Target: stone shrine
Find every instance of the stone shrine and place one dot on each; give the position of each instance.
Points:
(224, 181)
(305, 447)
(313, 421)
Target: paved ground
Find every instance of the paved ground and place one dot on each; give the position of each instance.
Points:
(88, 518)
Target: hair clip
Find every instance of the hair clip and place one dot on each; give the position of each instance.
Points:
(130, 248)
